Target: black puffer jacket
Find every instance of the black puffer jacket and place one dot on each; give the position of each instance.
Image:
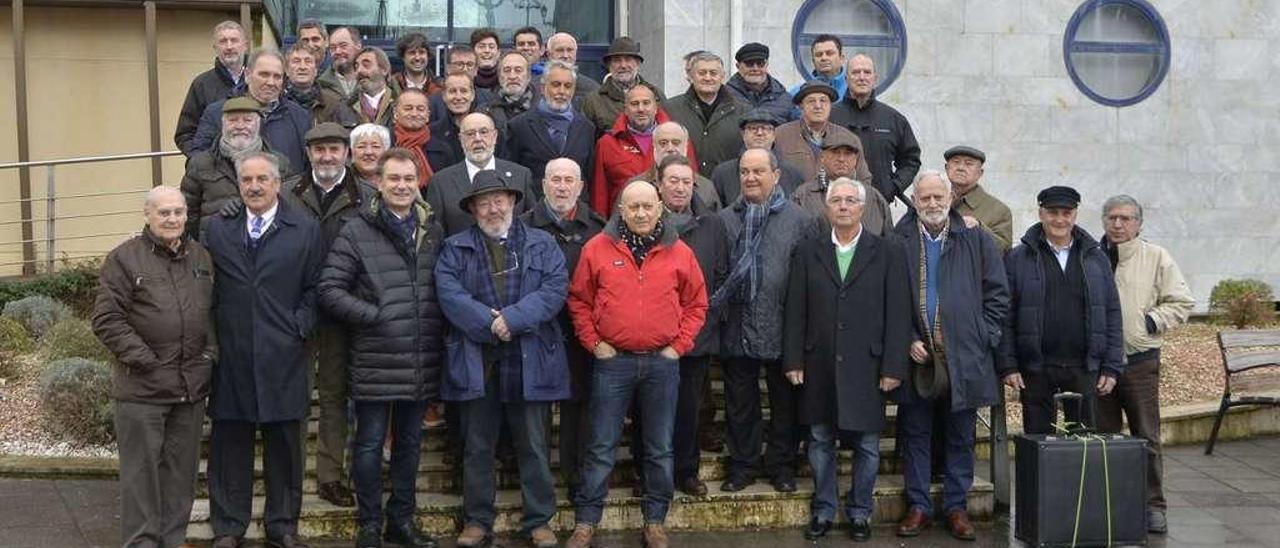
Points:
(387, 298)
(208, 87)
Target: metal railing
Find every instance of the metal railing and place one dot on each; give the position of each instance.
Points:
(51, 218)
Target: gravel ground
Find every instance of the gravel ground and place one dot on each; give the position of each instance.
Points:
(1192, 373)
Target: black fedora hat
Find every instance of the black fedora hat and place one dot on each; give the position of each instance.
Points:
(486, 181)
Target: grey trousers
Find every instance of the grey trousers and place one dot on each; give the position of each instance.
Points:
(328, 346)
(159, 454)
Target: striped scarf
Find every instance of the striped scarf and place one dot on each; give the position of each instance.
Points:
(744, 280)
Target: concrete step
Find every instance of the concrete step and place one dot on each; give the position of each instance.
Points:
(437, 477)
(758, 506)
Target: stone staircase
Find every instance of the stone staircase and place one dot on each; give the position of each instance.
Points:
(440, 503)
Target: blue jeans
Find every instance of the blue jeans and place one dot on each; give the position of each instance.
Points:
(406, 449)
(655, 382)
(481, 421)
(916, 423)
(822, 458)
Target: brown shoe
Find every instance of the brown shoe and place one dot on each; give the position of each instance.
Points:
(655, 536)
(959, 526)
(226, 542)
(543, 537)
(915, 522)
(474, 536)
(581, 537)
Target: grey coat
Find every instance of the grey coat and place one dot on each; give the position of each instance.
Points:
(754, 329)
(716, 138)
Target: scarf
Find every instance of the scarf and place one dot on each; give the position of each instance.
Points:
(414, 141)
(305, 97)
(935, 381)
(558, 123)
(812, 137)
(486, 77)
(640, 245)
(518, 103)
(744, 280)
(404, 232)
(643, 137)
(230, 152)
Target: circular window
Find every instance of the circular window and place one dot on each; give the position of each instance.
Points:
(1116, 51)
(871, 27)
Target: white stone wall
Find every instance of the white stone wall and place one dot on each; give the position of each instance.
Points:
(1202, 153)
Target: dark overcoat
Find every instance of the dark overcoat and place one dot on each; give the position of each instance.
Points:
(264, 307)
(529, 144)
(847, 333)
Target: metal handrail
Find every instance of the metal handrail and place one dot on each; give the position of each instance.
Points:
(90, 159)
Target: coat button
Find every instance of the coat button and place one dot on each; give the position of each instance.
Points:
(841, 294)
(839, 358)
(840, 325)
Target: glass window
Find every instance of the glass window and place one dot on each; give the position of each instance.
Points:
(1116, 51)
(872, 27)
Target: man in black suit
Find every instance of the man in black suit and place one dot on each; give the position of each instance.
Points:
(479, 139)
(552, 129)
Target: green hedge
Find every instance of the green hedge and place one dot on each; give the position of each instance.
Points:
(76, 286)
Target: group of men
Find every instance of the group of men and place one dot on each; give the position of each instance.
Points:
(514, 235)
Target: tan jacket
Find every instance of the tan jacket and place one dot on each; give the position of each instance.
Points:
(991, 213)
(791, 147)
(1150, 285)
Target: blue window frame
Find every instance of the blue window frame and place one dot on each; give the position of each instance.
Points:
(1116, 51)
(872, 27)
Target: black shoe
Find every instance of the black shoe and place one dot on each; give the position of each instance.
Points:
(860, 530)
(735, 484)
(287, 541)
(367, 536)
(1156, 522)
(337, 494)
(693, 486)
(784, 484)
(408, 534)
(817, 529)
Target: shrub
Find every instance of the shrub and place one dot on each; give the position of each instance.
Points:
(74, 338)
(14, 340)
(1242, 303)
(75, 398)
(37, 313)
(76, 285)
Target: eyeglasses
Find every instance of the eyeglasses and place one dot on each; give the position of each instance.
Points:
(463, 64)
(511, 261)
(483, 132)
(755, 63)
(1121, 218)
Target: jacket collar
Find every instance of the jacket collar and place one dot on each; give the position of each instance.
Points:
(773, 88)
(159, 248)
(669, 236)
(621, 131)
(540, 217)
(909, 225)
(1035, 235)
(350, 188)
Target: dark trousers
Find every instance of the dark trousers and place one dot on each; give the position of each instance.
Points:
(231, 476)
(1137, 396)
(159, 454)
(404, 418)
(575, 418)
(328, 347)
(916, 425)
(708, 433)
(1038, 410)
(527, 421)
(745, 418)
(684, 442)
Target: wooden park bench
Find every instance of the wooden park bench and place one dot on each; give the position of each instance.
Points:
(1235, 363)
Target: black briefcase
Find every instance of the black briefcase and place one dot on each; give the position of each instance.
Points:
(1078, 488)
(1054, 506)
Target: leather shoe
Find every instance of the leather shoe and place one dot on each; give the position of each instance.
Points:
(287, 541)
(336, 494)
(408, 534)
(959, 526)
(693, 487)
(655, 536)
(860, 530)
(474, 536)
(543, 537)
(915, 522)
(1156, 522)
(817, 529)
(784, 484)
(367, 536)
(227, 542)
(735, 484)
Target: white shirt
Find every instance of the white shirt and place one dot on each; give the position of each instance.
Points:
(473, 169)
(845, 248)
(375, 100)
(267, 218)
(1061, 253)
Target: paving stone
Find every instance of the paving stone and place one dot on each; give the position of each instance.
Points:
(1233, 472)
(1254, 485)
(1207, 485)
(1234, 498)
(1246, 515)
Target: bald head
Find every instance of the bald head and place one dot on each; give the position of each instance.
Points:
(669, 138)
(861, 74)
(562, 46)
(562, 184)
(640, 207)
(165, 212)
(162, 194)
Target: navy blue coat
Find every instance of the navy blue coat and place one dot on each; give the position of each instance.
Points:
(544, 285)
(974, 300)
(264, 306)
(529, 144)
(1020, 346)
(282, 129)
(773, 99)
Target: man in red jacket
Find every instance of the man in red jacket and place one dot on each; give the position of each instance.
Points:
(626, 150)
(637, 300)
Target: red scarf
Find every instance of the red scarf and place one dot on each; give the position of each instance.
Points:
(414, 141)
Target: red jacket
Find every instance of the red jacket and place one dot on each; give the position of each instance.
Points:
(661, 303)
(619, 158)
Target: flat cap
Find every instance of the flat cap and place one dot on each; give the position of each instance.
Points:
(242, 104)
(752, 51)
(1059, 196)
(327, 131)
(841, 139)
(965, 150)
(815, 86)
(757, 116)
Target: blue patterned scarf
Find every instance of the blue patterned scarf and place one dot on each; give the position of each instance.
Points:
(744, 281)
